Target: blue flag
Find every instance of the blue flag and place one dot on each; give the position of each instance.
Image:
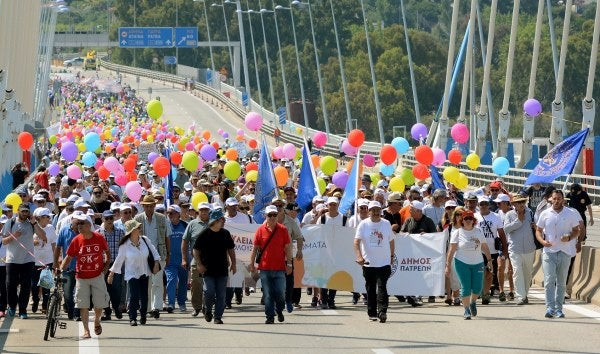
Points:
(559, 161)
(307, 185)
(351, 190)
(266, 188)
(436, 179)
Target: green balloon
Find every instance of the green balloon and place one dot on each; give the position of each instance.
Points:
(154, 109)
(322, 184)
(328, 165)
(407, 176)
(374, 178)
(190, 161)
(232, 170)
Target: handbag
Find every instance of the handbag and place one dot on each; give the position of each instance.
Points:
(497, 240)
(151, 259)
(259, 252)
(538, 245)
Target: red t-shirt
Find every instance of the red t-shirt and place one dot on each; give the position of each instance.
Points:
(273, 257)
(89, 255)
(41, 178)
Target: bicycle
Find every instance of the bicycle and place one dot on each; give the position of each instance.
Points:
(54, 308)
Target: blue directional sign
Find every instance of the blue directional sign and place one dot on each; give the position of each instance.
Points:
(170, 60)
(245, 99)
(208, 76)
(186, 37)
(281, 114)
(145, 37)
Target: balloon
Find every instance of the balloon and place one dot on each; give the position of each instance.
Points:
(69, 151)
(52, 139)
(253, 121)
(500, 166)
(232, 170)
(112, 164)
(74, 172)
(420, 171)
(252, 143)
(407, 176)
(190, 161)
(460, 133)
(418, 131)
(91, 141)
(175, 157)
(206, 134)
(451, 174)
(133, 190)
(103, 173)
(439, 157)
(328, 165)
(388, 154)
(251, 166)
(340, 179)
(374, 178)
(321, 184)
(25, 140)
(189, 146)
(397, 184)
(154, 109)
(532, 107)
(14, 200)
(281, 175)
(386, 170)
(278, 152)
(226, 135)
(128, 164)
(319, 139)
(289, 151)
(424, 154)
(240, 132)
(121, 179)
(369, 160)
(208, 152)
(454, 156)
(348, 149)
(161, 166)
(89, 159)
(356, 138)
(401, 145)
(350, 165)
(316, 160)
(152, 156)
(231, 154)
(473, 161)
(198, 198)
(462, 182)
(54, 169)
(252, 176)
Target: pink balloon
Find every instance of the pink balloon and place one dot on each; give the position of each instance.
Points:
(240, 132)
(460, 133)
(112, 164)
(133, 190)
(121, 179)
(253, 121)
(189, 146)
(278, 152)
(120, 148)
(439, 157)
(349, 149)
(74, 172)
(289, 151)
(369, 160)
(319, 139)
(98, 164)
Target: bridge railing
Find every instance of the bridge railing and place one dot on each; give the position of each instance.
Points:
(514, 180)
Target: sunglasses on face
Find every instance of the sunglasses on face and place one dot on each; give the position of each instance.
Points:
(469, 218)
(244, 208)
(97, 193)
(279, 206)
(95, 180)
(363, 207)
(272, 215)
(494, 189)
(126, 212)
(109, 218)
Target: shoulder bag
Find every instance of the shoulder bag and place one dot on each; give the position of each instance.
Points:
(259, 251)
(151, 259)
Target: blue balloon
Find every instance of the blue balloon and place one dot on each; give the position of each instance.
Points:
(401, 145)
(91, 141)
(500, 166)
(174, 172)
(387, 170)
(89, 159)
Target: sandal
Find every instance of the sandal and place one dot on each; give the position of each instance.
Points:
(86, 335)
(448, 301)
(98, 329)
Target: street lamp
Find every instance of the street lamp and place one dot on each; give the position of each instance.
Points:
(302, 5)
(212, 60)
(222, 6)
(285, 90)
(243, 45)
(304, 111)
(260, 100)
(343, 74)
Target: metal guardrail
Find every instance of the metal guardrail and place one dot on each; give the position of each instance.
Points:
(514, 180)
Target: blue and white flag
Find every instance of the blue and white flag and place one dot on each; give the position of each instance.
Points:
(351, 190)
(559, 161)
(266, 189)
(307, 183)
(436, 179)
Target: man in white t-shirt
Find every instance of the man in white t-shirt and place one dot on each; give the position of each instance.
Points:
(363, 213)
(557, 230)
(236, 281)
(374, 248)
(311, 214)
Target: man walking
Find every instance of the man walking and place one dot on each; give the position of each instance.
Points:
(112, 235)
(176, 275)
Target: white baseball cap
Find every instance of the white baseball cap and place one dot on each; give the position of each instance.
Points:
(363, 202)
(333, 200)
(231, 202)
(417, 205)
(175, 208)
(125, 206)
(502, 198)
(204, 205)
(374, 204)
(80, 203)
(271, 209)
(317, 199)
(39, 212)
(115, 206)
(450, 204)
(188, 186)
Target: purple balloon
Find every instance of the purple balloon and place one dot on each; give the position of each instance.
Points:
(349, 149)
(208, 153)
(418, 131)
(69, 151)
(152, 156)
(532, 107)
(226, 135)
(54, 169)
(340, 179)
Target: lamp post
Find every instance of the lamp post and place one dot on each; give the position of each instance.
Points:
(243, 45)
(222, 6)
(212, 60)
(260, 100)
(262, 22)
(304, 111)
(342, 72)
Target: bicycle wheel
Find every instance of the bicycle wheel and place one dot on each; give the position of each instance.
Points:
(51, 322)
(56, 315)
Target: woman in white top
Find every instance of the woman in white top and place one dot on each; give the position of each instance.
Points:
(44, 257)
(466, 245)
(133, 253)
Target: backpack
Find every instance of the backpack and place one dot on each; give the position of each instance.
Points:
(344, 219)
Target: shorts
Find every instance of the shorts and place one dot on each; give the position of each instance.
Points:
(94, 288)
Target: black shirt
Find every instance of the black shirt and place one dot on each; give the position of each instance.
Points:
(213, 247)
(392, 218)
(579, 202)
(18, 177)
(413, 226)
(535, 196)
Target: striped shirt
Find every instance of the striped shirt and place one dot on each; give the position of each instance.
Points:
(112, 238)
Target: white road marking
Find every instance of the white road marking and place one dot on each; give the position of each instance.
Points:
(10, 330)
(538, 294)
(88, 346)
(330, 312)
(382, 351)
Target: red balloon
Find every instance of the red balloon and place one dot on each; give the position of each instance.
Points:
(420, 171)
(454, 156)
(134, 157)
(129, 164)
(251, 166)
(424, 154)
(215, 145)
(252, 143)
(388, 154)
(174, 139)
(356, 138)
(25, 140)
(176, 157)
(103, 173)
(161, 166)
(131, 176)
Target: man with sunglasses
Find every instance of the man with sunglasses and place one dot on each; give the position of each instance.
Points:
(112, 235)
(495, 189)
(99, 204)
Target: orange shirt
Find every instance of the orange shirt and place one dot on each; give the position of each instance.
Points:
(405, 213)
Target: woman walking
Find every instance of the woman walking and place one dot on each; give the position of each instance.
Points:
(466, 245)
(134, 250)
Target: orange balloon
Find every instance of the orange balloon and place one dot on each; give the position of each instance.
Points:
(176, 157)
(420, 171)
(25, 140)
(136, 142)
(131, 176)
(206, 134)
(454, 156)
(174, 139)
(251, 166)
(102, 136)
(231, 154)
(356, 137)
(108, 148)
(129, 164)
(316, 160)
(196, 139)
(135, 157)
(281, 175)
(253, 143)
(351, 164)
(424, 154)
(161, 166)
(126, 148)
(239, 138)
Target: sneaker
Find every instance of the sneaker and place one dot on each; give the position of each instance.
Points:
(106, 318)
(559, 314)
(485, 299)
(280, 317)
(373, 318)
(270, 320)
(143, 320)
(521, 302)
(549, 313)
(238, 300)
(457, 302)
(382, 317)
(473, 308)
(431, 299)
(208, 316)
(11, 312)
(502, 296)
(365, 302)
(218, 321)
(118, 314)
(526, 300)
(298, 306)
(324, 305)
(467, 314)
(133, 323)
(289, 307)
(355, 298)
(314, 301)
(251, 290)
(401, 298)
(182, 308)
(156, 314)
(309, 291)
(169, 309)
(331, 305)
(229, 307)
(511, 296)
(34, 307)
(24, 316)
(195, 313)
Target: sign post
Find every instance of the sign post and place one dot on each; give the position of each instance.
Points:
(186, 37)
(145, 37)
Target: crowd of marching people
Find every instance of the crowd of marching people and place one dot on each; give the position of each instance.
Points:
(139, 255)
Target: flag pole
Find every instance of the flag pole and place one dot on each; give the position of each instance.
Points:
(357, 161)
(312, 168)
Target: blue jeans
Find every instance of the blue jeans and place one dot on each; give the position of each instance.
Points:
(556, 266)
(114, 291)
(214, 295)
(273, 285)
(69, 292)
(177, 277)
(138, 296)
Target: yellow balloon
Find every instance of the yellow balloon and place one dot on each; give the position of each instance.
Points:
(251, 176)
(322, 184)
(14, 200)
(198, 198)
(473, 161)
(397, 184)
(462, 182)
(107, 134)
(81, 147)
(150, 138)
(451, 174)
